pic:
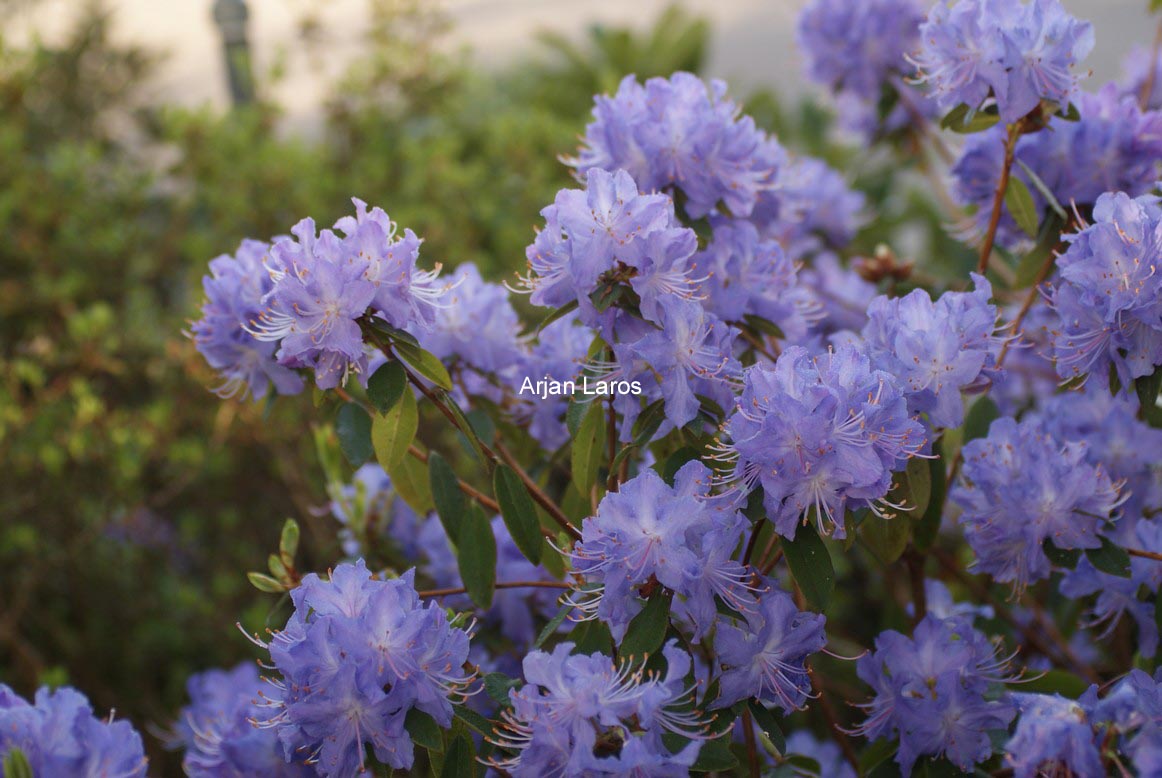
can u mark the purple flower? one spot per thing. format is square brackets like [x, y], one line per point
[843, 294]
[583, 715]
[825, 753]
[856, 50]
[60, 736]
[811, 208]
[1020, 53]
[745, 274]
[1021, 486]
[820, 434]
[936, 350]
[1052, 732]
[218, 731]
[933, 692]
[355, 656]
[766, 657]
[235, 290]
[677, 133]
[675, 536]
[558, 354]
[1109, 295]
[368, 507]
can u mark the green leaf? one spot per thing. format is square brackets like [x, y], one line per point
[1071, 113]
[715, 756]
[497, 686]
[519, 512]
[1021, 206]
[394, 431]
[460, 760]
[1031, 265]
[553, 625]
[476, 552]
[647, 630]
[277, 568]
[409, 478]
[1053, 682]
[957, 120]
[474, 720]
[288, 542]
[928, 527]
[980, 417]
[592, 637]
[675, 461]
[1109, 558]
[451, 505]
[1147, 389]
[425, 363]
[16, 764]
[765, 326]
[386, 386]
[587, 446]
[574, 413]
[559, 313]
[810, 564]
[886, 538]
[264, 583]
[876, 754]
[1061, 557]
[767, 723]
[424, 730]
[1045, 191]
[353, 426]
[918, 475]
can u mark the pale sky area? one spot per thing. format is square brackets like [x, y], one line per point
[752, 44]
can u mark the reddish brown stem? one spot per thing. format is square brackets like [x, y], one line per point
[1144, 554]
[986, 248]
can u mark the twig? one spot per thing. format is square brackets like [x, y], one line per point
[502, 585]
[483, 499]
[986, 248]
[828, 712]
[1144, 554]
[752, 752]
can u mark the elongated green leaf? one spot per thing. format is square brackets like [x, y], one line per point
[768, 724]
[553, 625]
[1109, 558]
[810, 564]
[587, 447]
[460, 760]
[715, 756]
[264, 583]
[1044, 190]
[559, 313]
[451, 505]
[1061, 557]
[647, 630]
[288, 542]
[876, 754]
[1147, 388]
[980, 417]
[425, 363]
[1053, 682]
[476, 552]
[474, 720]
[498, 685]
[928, 527]
[765, 326]
[1034, 262]
[424, 730]
[394, 431]
[409, 478]
[519, 512]
[1021, 207]
[353, 426]
[16, 764]
[386, 386]
[957, 120]
[919, 475]
[885, 538]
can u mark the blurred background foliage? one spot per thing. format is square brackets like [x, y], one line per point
[133, 499]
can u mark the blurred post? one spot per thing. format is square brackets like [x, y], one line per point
[231, 17]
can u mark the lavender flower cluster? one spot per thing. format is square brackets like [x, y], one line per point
[644, 583]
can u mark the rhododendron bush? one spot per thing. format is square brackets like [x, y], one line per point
[735, 500]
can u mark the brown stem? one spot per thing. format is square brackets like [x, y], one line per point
[757, 344]
[1144, 554]
[986, 248]
[551, 508]
[1042, 274]
[769, 566]
[502, 585]
[752, 752]
[750, 544]
[1062, 650]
